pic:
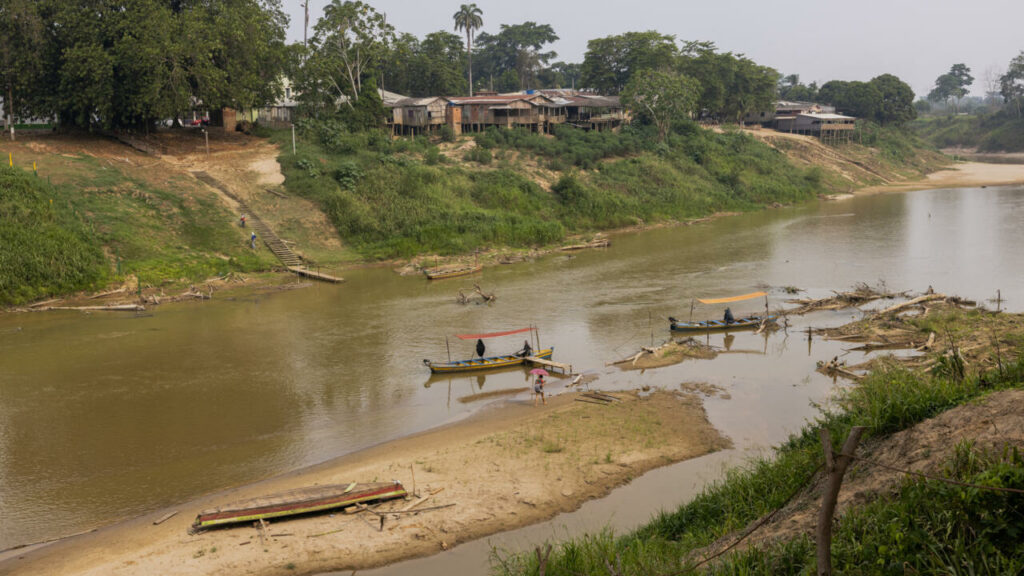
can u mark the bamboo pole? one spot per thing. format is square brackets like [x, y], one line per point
[448, 348]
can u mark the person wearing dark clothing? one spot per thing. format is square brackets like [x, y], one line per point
[480, 348]
[527, 350]
[728, 316]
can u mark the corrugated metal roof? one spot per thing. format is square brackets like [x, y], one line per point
[415, 101]
[827, 116]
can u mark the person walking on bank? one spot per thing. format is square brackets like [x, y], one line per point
[252, 240]
[538, 390]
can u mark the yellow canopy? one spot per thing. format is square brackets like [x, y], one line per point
[733, 299]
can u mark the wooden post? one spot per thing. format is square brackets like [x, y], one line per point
[448, 348]
[835, 468]
[293, 138]
[691, 309]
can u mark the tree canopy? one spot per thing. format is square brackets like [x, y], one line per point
[129, 64]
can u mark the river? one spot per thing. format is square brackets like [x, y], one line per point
[104, 416]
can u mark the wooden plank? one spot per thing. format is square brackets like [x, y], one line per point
[164, 518]
[566, 368]
[315, 275]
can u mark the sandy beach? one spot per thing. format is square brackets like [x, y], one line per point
[508, 466]
[960, 175]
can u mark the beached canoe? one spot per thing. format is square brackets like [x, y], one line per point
[294, 502]
[713, 325]
[440, 273]
[490, 363]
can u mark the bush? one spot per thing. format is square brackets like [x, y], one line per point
[45, 248]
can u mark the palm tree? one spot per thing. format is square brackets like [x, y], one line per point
[468, 19]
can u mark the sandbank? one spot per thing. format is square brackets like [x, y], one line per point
[508, 466]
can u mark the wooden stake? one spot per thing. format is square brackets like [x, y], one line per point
[413, 472]
[448, 348]
[835, 468]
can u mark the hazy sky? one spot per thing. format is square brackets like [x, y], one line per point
[916, 40]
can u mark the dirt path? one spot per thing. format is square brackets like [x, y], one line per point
[507, 467]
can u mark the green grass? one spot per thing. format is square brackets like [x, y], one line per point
[45, 246]
[401, 198]
[944, 529]
[98, 223]
[997, 132]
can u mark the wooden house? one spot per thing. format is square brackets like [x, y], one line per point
[593, 112]
[418, 115]
[826, 126]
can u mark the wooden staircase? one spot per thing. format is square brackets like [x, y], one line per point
[263, 232]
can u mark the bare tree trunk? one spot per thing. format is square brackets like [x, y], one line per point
[9, 104]
[835, 469]
[469, 52]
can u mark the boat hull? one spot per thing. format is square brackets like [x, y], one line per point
[719, 325]
[295, 502]
[491, 363]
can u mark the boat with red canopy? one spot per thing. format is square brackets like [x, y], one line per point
[482, 362]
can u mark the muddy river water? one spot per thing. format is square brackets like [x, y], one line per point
[107, 415]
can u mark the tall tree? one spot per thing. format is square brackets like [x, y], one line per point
[952, 85]
[1011, 84]
[22, 31]
[895, 100]
[661, 97]
[517, 47]
[468, 18]
[611, 61]
[349, 44]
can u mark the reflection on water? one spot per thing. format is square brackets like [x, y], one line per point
[104, 416]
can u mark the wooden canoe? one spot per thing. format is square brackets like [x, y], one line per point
[713, 325]
[441, 273]
[295, 502]
[490, 363]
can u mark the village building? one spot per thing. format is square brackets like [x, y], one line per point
[537, 111]
[829, 127]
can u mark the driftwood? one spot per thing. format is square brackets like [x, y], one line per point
[111, 308]
[927, 345]
[912, 303]
[602, 243]
[861, 294]
[487, 297]
[107, 293]
[834, 367]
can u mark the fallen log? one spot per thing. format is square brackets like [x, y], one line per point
[111, 308]
[107, 293]
[913, 302]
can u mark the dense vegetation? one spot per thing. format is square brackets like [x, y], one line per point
[926, 527]
[45, 247]
[401, 198]
[96, 224]
[130, 64]
[988, 132]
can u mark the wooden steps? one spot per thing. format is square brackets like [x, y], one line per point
[280, 249]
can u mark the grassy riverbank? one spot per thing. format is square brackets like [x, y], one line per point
[925, 526]
[351, 197]
[97, 213]
[514, 188]
[46, 247]
[997, 132]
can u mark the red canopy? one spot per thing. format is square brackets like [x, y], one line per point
[491, 334]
